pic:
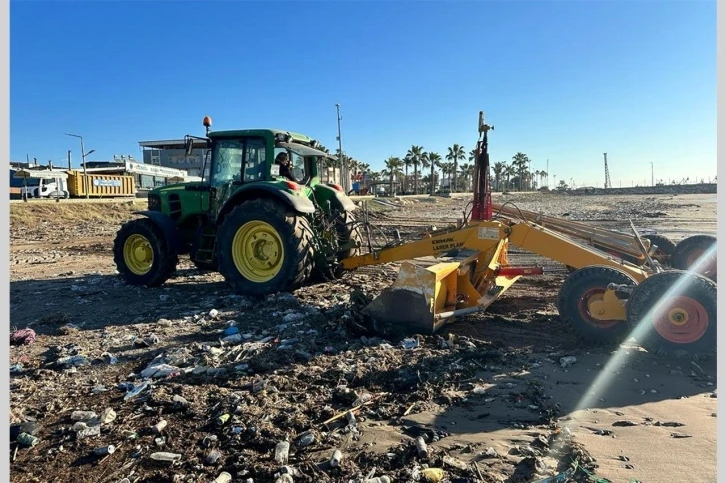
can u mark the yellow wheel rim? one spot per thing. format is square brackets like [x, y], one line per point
[138, 255]
[257, 251]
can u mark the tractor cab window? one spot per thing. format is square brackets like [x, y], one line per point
[227, 162]
[298, 166]
[255, 160]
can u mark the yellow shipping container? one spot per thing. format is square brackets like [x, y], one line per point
[100, 185]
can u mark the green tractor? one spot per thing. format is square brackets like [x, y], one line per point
[263, 232]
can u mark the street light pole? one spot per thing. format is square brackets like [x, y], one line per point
[340, 148]
[83, 158]
[652, 178]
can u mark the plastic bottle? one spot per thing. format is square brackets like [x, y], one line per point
[83, 415]
[104, 450]
[88, 432]
[212, 457]
[421, 448]
[164, 456]
[335, 459]
[281, 452]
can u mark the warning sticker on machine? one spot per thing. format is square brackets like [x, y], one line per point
[488, 233]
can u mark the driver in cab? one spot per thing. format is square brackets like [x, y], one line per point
[284, 161]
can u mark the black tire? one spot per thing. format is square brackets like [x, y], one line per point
[572, 298]
[688, 250]
[163, 263]
[296, 237]
[347, 230]
[665, 247]
[653, 308]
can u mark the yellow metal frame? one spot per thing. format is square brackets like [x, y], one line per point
[472, 282]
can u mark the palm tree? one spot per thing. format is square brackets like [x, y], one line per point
[425, 163]
[407, 162]
[456, 154]
[415, 154]
[435, 161]
[509, 171]
[466, 171]
[393, 166]
[499, 169]
[520, 161]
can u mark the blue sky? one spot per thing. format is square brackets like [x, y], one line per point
[560, 80]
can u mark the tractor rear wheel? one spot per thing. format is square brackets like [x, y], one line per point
[580, 289]
[673, 313]
[696, 253]
[264, 247]
[142, 255]
[665, 247]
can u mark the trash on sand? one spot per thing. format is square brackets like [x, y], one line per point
[22, 336]
[281, 452]
[421, 448]
[104, 450]
[136, 390]
[335, 459]
[409, 343]
[27, 439]
[567, 361]
[432, 475]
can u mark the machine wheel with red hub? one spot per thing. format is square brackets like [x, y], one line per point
[579, 295]
[673, 313]
[691, 251]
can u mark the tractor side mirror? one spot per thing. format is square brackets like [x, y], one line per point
[188, 146]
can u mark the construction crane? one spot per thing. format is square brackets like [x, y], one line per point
[607, 172]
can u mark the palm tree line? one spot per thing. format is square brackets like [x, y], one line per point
[459, 176]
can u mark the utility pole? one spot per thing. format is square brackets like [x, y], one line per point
[83, 157]
[69, 160]
[652, 178]
[340, 150]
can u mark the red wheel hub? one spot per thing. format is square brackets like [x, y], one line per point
[681, 320]
[593, 294]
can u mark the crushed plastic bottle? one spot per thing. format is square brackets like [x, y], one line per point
[136, 390]
[212, 457]
[281, 452]
[83, 415]
[567, 361]
[223, 477]
[88, 432]
[164, 456]
[77, 360]
[107, 416]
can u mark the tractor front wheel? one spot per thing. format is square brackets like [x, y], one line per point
[142, 255]
[673, 313]
[581, 297]
[696, 254]
[264, 247]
